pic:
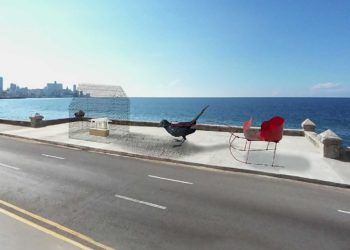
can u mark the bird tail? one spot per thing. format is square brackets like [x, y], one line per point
[201, 113]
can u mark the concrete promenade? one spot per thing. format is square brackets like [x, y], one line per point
[296, 155]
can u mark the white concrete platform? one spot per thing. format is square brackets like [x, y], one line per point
[296, 156]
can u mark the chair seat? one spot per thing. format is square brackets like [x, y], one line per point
[251, 135]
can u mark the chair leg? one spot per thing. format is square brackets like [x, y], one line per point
[274, 154]
[246, 161]
[230, 139]
[268, 144]
[245, 146]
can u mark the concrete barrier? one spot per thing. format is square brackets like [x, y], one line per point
[329, 143]
[345, 154]
[57, 121]
[308, 125]
[36, 120]
[332, 144]
[16, 123]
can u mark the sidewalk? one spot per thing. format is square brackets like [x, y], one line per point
[16, 235]
[297, 157]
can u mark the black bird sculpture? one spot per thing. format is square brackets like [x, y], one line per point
[181, 129]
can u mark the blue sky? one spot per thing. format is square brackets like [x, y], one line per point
[179, 47]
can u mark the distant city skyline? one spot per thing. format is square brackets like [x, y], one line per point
[1, 84]
[224, 48]
[7, 84]
[52, 89]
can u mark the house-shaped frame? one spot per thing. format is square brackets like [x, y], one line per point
[98, 101]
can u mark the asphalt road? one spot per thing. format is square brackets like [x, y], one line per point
[126, 203]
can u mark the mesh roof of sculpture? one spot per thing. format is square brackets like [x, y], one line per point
[95, 90]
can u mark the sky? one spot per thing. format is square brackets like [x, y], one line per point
[171, 48]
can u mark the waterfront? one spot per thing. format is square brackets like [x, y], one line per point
[333, 113]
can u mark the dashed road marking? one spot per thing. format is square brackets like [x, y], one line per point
[167, 179]
[52, 156]
[139, 201]
[343, 211]
[8, 166]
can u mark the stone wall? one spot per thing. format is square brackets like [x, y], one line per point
[329, 143]
[18, 123]
[205, 127]
[56, 121]
[345, 154]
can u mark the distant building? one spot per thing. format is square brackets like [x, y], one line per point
[67, 92]
[35, 93]
[12, 91]
[23, 92]
[53, 89]
[75, 91]
[15, 91]
[13, 87]
[1, 85]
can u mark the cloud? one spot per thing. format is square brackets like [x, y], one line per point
[171, 85]
[326, 86]
[275, 93]
[174, 83]
[330, 89]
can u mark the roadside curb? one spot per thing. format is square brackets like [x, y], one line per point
[159, 159]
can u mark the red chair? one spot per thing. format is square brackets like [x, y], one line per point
[270, 131]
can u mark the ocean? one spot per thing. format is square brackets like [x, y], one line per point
[333, 113]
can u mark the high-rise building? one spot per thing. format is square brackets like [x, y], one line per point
[53, 89]
[1, 85]
[13, 87]
[12, 90]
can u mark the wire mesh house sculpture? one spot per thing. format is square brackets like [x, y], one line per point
[98, 102]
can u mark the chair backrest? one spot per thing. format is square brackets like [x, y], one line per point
[247, 125]
[272, 130]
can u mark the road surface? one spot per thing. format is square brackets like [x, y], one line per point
[128, 203]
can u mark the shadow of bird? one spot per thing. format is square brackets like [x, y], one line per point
[181, 129]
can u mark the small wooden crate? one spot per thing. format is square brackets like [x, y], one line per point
[99, 132]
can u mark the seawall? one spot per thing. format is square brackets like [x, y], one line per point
[205, 127]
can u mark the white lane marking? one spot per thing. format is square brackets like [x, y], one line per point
[343, 211]
[162, 178]
[8, 166]
[52, 156]
[139, 201]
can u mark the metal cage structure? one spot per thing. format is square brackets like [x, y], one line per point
[98, 101]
